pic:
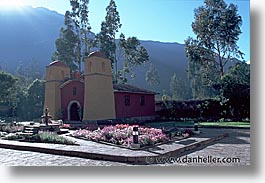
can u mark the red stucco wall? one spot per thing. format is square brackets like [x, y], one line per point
[134, 109]
[67, 95]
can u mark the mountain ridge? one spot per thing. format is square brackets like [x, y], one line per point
[31, 36]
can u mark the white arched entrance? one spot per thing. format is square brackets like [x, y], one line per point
[72, 110]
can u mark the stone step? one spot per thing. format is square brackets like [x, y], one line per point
[28, 131]
[28, 128]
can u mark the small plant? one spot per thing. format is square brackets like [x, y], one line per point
[45, 137]
[11, 128]
[12, 136]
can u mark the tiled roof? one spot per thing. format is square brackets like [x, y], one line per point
[58, 63]
[131, 89]
[70, 81]
[97, 54]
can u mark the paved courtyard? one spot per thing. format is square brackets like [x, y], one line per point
[237, 145]
[26, 158]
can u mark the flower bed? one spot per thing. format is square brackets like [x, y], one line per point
[10, 128]
[122, 135]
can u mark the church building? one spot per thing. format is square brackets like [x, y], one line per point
[92, 95]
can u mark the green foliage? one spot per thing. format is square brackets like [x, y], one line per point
[65, 46]
[31, 103]
[75, 38]
[151, 76]
[210, 109]
[165, 96]
[7, 87]
[217, 29]
[134, 55]
[130, 48]
[47, 137]
[26, 74]
[10, 128]
[179, 87]
[201, 72]
[105, 39]
[44, 137]
[14, 136]
[235, 88]
[22, 93]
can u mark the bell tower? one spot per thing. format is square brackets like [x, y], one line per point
[99, 97]
[56, 73]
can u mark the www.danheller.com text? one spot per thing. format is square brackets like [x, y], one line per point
[196, 159]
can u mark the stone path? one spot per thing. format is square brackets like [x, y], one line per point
[10, 157]
[236, 145]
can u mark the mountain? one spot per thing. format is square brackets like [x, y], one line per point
[168, 58]
[30, 35]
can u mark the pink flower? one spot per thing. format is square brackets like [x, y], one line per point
[121, 134]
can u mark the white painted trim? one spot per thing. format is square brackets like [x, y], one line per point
[69, 106]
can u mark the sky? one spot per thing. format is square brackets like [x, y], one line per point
[157, 20]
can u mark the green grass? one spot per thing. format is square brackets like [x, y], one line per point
[169, 124]
[190, 124]
[228, 124]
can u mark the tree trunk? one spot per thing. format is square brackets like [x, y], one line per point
[116, 64]
[220, 63]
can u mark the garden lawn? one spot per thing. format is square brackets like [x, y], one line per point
[170, 124]
[191, 124]
[226, 124]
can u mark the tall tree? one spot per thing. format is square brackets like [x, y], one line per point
[179, 87]
[106, 39]
[66, 43]
[36, 93]
[151, 76]
[30, 105]
[234, 87]
[82, 28]
[134, 55]
[75, 39]
[26, 74]
[217, 29]
[202, 75]
[8, 87]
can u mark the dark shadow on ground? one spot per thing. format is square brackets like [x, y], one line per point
[235, 136]
[186, 142]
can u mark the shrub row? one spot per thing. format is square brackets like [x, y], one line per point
[206, 110]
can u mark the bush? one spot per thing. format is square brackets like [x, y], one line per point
[209, 109]
[45, 137]
[11, 128]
